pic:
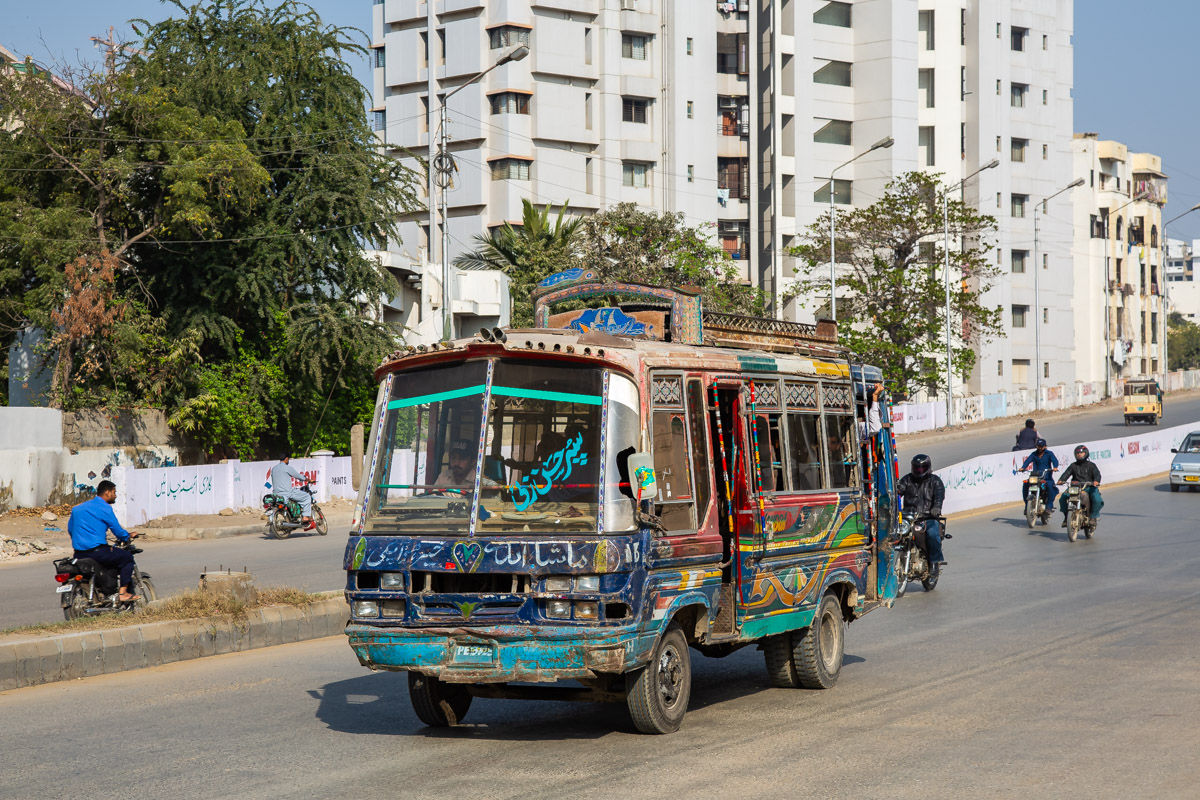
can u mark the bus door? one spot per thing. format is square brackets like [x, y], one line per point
[726, 434]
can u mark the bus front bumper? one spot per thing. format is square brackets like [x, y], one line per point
[500, 654]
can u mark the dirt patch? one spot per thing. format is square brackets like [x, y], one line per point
[188, 605]
[25, 536]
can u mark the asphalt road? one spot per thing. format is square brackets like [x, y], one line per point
[304, 560]
[1038, 668]
[1103, 422]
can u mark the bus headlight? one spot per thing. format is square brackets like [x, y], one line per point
[392, 609]
[587, 583]
[391, 580]
[559, 584]
[586, 610]
[558, 609]
[364, 608]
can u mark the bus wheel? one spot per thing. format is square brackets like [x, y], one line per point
[781, 670]
[658, 693]
[819, 647]
[438, 704]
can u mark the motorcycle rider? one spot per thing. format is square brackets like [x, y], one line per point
[1027, 438]
[1041, 462]
[89, 525]
[282, 475]
[1086, 471]
[922, 493]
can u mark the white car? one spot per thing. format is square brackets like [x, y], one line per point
[1185, 466]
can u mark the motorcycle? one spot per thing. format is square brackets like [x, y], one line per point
[1079, 506]
[911, 556]
[283, 515]
[1035, 500]
[87, 588]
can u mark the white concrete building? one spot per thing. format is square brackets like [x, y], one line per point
[735, 113]
[1182, 269]
[1117, 255]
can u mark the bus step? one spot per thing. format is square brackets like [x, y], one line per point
[725, 612]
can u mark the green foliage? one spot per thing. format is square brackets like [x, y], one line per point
[526, 253]
[891, 304]
[622, 243]
[1183, 342]
[226, 161]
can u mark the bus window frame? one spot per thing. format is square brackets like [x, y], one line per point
[681, 375]
[852, 446]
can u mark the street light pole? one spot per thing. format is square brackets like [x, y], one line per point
[444, 168]
[881, 144]
[1107, 292]
[1166, 330]
[995, 162]
[1037, 295]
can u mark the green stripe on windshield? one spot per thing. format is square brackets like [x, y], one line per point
[436, 396]
[537, 394]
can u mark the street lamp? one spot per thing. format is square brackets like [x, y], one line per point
[1037, 295]
[1166, 248]
[880, 145]
[995, 162]
[1108, 292]
[443, 166]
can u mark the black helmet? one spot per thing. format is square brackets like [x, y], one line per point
[1082, 453]
[1040, 443]
[921, 465]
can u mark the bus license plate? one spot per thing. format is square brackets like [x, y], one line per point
[473, 654]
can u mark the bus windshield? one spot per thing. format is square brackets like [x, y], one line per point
[529, 462]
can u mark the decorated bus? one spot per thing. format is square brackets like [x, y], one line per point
[585, 502]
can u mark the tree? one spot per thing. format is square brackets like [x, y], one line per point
[1183, 342]
[891, 304]
[526, 253]
[625, 243]
[621, 244]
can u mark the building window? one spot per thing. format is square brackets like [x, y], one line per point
[997, 87]
[841, 193]
[997, 144]
[1045, 152]
[691, 173]
[1019, 146]
[635, 174]
[1019, 90]
[836, 14]
[925, 29]
[691, 110]
[378, 120]
[962, 25]
[509, 103]
[587, 175]
[1045, 97]
[997, 30]
[1018, 204]
[735, 238]
[925, 87]
[508, 36]
[1019, 313]
[633, 46]
[833, 73]
[1045, 42]
[424, 49]
[1000, 368]
[1046, 318]
[633, 109]
[510, 169]
[733, 178]
[1019, 258]
[1019, 35]
[1045, 261]
[689, 45]
[1020, 371]
[1045, 369]
[925, 149]
[380, 57]
[587, 110]
[441, 38]
[834, 131]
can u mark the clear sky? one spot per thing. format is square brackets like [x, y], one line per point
[1133, 68]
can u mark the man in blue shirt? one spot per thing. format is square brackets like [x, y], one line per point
[282, 475]
[1041, 462]
[89, 525]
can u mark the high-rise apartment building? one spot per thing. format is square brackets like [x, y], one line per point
[1118, 253]
[736, 113]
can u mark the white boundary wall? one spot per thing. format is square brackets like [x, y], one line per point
[993, 479]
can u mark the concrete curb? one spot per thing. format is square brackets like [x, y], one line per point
[34, 660]
[177, 534]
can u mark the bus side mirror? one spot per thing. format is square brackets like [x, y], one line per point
[641, 477]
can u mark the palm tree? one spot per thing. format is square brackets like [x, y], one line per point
[526, 253]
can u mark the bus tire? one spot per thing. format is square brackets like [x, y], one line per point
[781, 670]
[438, 704]
[820, 647]
[657, 694]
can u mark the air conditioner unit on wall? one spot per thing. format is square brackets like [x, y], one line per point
[629, 5]
[743, 5]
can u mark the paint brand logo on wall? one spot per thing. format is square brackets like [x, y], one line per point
[1134, 448]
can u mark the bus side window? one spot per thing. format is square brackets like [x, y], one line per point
[839, 442]
[770, 453]
[804, 439]
[674, 502]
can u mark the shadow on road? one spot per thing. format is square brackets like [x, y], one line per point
[378, 704]
[1166, 487]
